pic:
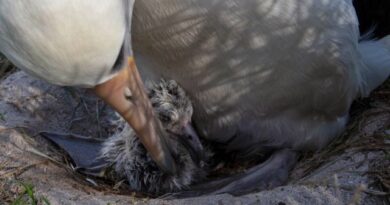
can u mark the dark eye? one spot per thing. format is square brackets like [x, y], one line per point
[174, 92]
[165, 118]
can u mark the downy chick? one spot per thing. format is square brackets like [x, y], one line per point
[129, 159]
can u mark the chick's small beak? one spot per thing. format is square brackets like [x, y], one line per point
[191, 141]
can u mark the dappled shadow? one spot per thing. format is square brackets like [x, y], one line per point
[262, 69]
[61, 186]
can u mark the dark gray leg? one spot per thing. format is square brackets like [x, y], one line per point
[271, 173]
[85, 152]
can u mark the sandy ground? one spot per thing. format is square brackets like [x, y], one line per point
[353, 170]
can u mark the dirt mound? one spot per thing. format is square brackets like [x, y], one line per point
[354, 169]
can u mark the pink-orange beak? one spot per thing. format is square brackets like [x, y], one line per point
[136, 109]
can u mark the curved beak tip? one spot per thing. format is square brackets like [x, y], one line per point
[192, 142]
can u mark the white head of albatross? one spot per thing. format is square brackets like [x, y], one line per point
[84, 43]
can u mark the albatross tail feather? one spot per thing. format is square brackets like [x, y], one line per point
[375, 67]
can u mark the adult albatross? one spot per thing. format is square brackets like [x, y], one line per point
[84, 43]
[266, 77]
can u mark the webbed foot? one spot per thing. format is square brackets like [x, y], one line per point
[85, 152]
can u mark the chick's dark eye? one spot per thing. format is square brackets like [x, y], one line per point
[165, 118]
[173, 92]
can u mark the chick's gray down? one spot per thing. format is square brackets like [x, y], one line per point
[129, 159]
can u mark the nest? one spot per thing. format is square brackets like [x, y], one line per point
[367, 132]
